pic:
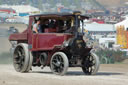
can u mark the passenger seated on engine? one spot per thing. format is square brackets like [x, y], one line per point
[45, 24]
[52, 24]
[60, 26]
[64, 26]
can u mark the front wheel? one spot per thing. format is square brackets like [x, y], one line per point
[90, 64]
[59, 63]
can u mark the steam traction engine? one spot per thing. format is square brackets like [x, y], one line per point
[59, 46]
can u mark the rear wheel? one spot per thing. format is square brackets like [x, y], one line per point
[22, 58]
[90, 64]
[59, 63]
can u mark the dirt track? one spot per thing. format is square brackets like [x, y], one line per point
[107, 75]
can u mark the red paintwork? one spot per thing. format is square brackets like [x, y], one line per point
[18, 37]
[50, 30]
[48, 41]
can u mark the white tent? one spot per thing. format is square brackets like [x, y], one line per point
[21, 8]
[123, 23]
[99, 27]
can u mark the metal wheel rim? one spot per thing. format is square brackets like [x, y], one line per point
[19, 58]
[57, 64]
[89, 65]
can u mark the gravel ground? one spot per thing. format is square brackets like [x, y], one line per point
[115, 74]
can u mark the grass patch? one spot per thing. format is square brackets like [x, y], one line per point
[110, 56]
[118, 63]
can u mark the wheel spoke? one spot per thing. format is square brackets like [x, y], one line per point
[60, 59]
[16, 62]
[62, 63]
[20, 66]
[54, 64]
[62, 67]
[90, 71]
[19, 53]
[57, 58]
[58, 70]
[16, 57]
[87, 70]
[54, 60]
[22, 58]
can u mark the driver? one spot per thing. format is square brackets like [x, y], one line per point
[37, 26]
